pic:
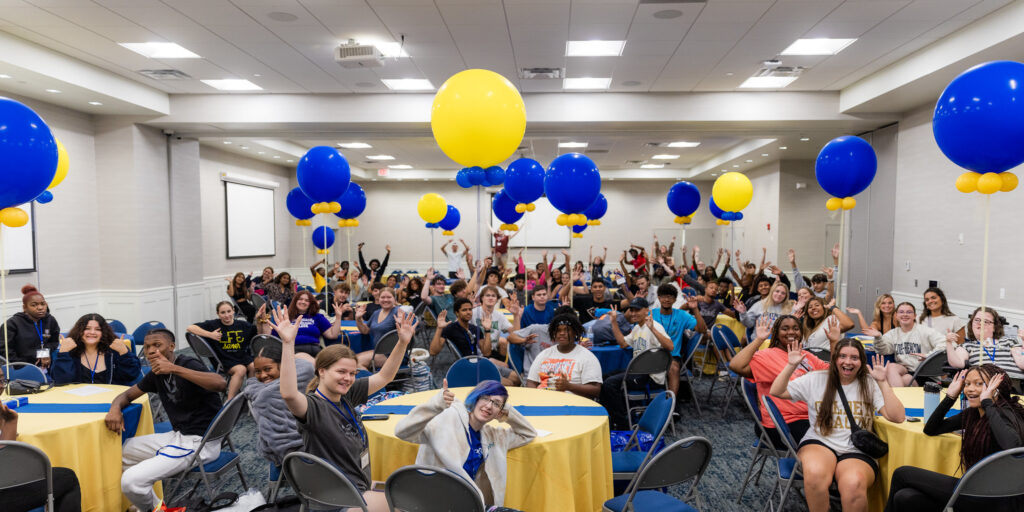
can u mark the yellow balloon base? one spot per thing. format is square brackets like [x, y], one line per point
[595, 222]
[721, 222]
[988, 183]
[683, 220]
[571, 219]
[348, 223]
[577, 235]
[845, 203]
[13, 217]
[303, 222]
[323, 251]
[447, 233]
[508, 227]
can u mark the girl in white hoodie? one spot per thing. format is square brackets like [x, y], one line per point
[458, 436]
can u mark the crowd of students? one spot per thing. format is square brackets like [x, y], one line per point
[301, 380]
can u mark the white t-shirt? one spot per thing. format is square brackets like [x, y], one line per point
[580, 365]
[818, 338]
[641, 338]
[498, 323]
[809, 388]
[455, 258]
[943, 324]
[532, 350]
[502, 294]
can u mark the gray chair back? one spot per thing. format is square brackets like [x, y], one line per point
[995, 476]
[24, 464]
[224, 421]
[931, 367]
[429, 489]
[202, 349]
[683, 460]
[260, 341]
[387, 342]
[652, 360]
[320, 484]
[23, 370]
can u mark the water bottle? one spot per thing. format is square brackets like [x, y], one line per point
[932, 392]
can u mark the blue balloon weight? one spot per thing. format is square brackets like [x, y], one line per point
[353, 202]
[476, 175]
[572, 183]
[45, 197]
[505, 208]
[726, 215]
[738, 216]
[29, 154]
[298, 204]
[495, 175]
[462, 178]
[579, 229]
[683, 199]
[716, 212]
[524, 180]
[598, 209]
[318, 237]
[846, 166]
[451, 219]
[979, 118]
[323, 174]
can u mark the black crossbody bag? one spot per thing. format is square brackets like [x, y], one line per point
[864, 440]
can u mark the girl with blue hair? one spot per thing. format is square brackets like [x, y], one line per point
[460, 437]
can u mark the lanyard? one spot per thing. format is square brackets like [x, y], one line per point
[92, 372]
[991, 355]
[351, 418]
[39, 330]
[473, 339]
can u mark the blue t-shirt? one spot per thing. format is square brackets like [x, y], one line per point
[476, 453]
[310, 329]
[532, 316]
[675, 323]
[381, 327]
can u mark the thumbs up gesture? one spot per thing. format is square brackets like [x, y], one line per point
[67, 344]
[448, 396]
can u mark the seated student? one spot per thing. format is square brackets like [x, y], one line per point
[314, 323]
[459, 436]
[601, 329]
[986, 344]
[710, 305]
[566, 366]
[643, 289]
[339, 302]
[910, 342]
[645, 334]
[993, 421]
[281, 289]
[239, 291]
[190, 394]
[327, 420]
[374, 299]
[827, 452]
[381, 322]
[587, 305]
[676, 322]
[229, 338]
[413, 289]
[436, 298]
[260, 281]
[33, 333]
[92, 354]
[519, 289]
[541, 311]
[816, 316]
[278, 431]
[67, 495]
[936, 314]
[492, 321]
[818, 282]
[535, 338]
[775, 304]
[762, 366]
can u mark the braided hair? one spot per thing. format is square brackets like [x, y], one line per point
[978, 441]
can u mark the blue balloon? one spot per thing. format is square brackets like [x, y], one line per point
[298, 204]
[738, 216]
[572, 183]
[505, 208]
[579, 229]
[318, 237]
[598, 209]
[846, 166]
[716, 212]
[451, 219]
[683, 199]
[29, 154]
[323, 174]
[476, 175]
[462, 178]
[353, 202]
[45, 197]
[979, 118]
[495, 175]
[524, 180]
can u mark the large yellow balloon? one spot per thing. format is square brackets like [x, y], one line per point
[732, 191]
[62, 165]
[478, 118]
[13, 217]
[432, 207]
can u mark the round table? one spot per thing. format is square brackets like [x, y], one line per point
[909, 446]
[569, 468]
[612, 357]
[54, 423]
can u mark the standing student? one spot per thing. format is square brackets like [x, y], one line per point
[92, 354]
[910, 342]
[936, 314]
[229, 339]
[31, 334]
[455, 256]
[67, 495]
[376, 268]
[191, 396]
[330, 426]
[501, 241]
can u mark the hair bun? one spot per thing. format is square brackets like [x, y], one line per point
[28, 289]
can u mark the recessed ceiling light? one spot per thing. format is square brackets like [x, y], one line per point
[277, 156]
[160, 50]
[750, 161]
[232, 84]
[572, 144]
[424, 179]
[4, 76]
[611, 179]
[245, 147]
[683, 144]
[408, 84]
[227, 142]
[665, 157]
[354, 145]
[668, 14]
[400, 166]
[767, 82]
[260, 152]
[95, 103]
[282, 16]
[586, 83]
[380, 157]
[257, 75]
[652, 166]
[53, 91]
[735, 165]
[594, 48]
[783, 148]
[817, 46]
[714, 174]
[804, 139]
[730, 74]
[764, 154]
[290, 161]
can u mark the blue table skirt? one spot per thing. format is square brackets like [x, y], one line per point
[612, 357]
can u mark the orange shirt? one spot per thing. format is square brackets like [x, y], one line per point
[768, 364]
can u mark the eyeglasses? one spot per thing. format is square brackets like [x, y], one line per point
[979, 321]
[497, 404]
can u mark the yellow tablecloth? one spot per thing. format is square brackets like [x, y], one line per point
[81, 441]
[568, 469]
[908, 446]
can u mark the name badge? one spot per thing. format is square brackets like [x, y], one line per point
[42, 354]
[364, 460]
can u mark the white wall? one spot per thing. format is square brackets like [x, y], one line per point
[803, 218]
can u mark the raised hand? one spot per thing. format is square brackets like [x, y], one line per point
[360, 310]
[286, 329]
[449, 397]
[613, 315]
[513, 306]
[405, 324]
[828, 271]
[763, 328]
[442, 320]
[160, 365]
[215, 334]
[737, 255]
[387, 247]
[878, 367]
[565, 253]
[835, 251]
[852, 310]
[67, 344]
[991, 391]
[791, 254]
[460, 274]
[739, 306]
[871, 331]
[775, 270]
[951, 337]
[795, 355]
[121, 346]
[649, 321]
[531, 339]
[691, 304]
[360, 246]
[957, 384]
[832, 329]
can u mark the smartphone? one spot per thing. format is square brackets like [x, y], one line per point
[913, 419]
[374, 417]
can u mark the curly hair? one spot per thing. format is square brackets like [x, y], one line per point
[311, 310]
[567, 319]
[106, 333]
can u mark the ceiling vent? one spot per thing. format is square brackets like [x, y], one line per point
[655, 144]
[164, 74]
[596, 151]
[541, 73]
[780, 71]
[354, 56]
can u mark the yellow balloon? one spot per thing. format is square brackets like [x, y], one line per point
[521, 208]
[447, 233]
[335, 207]
[303, 222]
[577, 235]
[834, 203]
[478, 118]
[849, 203]
[432, 207]
[967, 182]
[531, 207]
[732, 191]
[63, 163]
[13, 217]
[989, 183]
[1009, 182]
[562, 220]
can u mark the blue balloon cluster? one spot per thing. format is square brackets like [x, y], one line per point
[572, 183]
[598, 209]
[432, 225]
[323, 174]
[718, 213]
[846, 166]
[472, 176]
[505, 208]
[979, 118]
[451, 219]
[29, 152]
[319, 235]
[353, 202]
[683, 199]
[524, 180]
[298, 204]
[579, 229]
[45, 197]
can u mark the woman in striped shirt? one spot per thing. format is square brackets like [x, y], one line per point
[986, 344]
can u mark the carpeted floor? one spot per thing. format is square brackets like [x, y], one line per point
[730, 434]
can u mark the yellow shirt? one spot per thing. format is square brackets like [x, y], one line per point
[319, 282]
